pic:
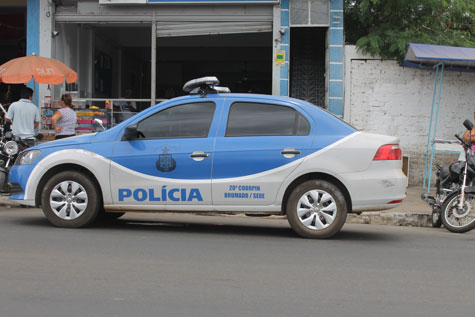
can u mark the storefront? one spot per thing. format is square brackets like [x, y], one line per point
[12, 41]
[288, 47]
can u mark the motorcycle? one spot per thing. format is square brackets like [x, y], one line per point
[9, 149]
[449, 180]
[458, 209]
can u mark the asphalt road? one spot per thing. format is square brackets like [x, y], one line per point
[182, 265]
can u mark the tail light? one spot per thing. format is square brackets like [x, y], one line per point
[388, 152]
[395, 201]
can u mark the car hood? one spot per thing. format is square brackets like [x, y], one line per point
[75, 140]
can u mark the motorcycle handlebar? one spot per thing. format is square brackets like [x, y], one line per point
[466, 144]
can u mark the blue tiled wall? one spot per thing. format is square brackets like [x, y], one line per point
[336, 41]
[336, 69]
[284, 45]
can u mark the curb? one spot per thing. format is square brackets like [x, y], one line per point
[6, 202]
[394, 219]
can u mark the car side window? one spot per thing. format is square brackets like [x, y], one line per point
[261, 119]
[192, 120]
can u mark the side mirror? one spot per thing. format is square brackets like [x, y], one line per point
[468, 124]
[131, 132]
[99, 122]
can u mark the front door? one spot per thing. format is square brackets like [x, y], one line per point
[170, 161]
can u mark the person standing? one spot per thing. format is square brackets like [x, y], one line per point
[25, 116]
[125, 109]
[469, 136]
[64, 119]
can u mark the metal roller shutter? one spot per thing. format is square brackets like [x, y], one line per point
[168, 29]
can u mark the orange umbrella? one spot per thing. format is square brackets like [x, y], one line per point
[43, 70]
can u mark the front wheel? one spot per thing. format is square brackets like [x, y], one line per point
[456, 219]
[436, 218]
[316, 209]
[70, 200]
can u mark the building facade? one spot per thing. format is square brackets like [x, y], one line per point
[287, 47]
[383, 97]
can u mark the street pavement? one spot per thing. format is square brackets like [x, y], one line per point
[412, 212]
[189, 265]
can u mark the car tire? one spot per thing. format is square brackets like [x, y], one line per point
[70, 200]
[317, 209]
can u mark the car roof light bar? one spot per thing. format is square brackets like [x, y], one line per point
[204, 86]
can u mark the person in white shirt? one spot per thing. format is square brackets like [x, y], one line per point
[24, 115]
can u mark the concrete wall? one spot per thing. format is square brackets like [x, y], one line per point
[383, 97]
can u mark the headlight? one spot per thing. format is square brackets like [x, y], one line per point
[27, 157]
[11, 148]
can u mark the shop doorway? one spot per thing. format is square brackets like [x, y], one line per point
[308, 64]
[12, 44]
[242, 62]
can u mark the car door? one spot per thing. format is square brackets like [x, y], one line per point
[257, 147]
[170, 163]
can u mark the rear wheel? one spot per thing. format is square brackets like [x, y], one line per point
[456, 219]
[70, 199]
[317, 209]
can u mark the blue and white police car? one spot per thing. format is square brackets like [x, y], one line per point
[214, 151]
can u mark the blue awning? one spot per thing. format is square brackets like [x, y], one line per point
[454, 58]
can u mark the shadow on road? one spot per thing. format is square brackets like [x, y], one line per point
[361, 233]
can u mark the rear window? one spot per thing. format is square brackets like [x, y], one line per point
[262, 119]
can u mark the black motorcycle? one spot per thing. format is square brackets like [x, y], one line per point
[9, 149]
[449, 179]
[458, 210]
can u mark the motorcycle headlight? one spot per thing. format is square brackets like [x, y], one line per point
[11, 148]
[27, 157]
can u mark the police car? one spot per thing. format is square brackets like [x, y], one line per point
[214, 151]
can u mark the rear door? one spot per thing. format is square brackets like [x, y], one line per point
[171, 163]
[258, 145]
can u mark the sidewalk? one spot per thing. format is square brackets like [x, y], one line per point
[413, 212]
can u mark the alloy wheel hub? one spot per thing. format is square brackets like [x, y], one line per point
[68, 200]
[316, 209]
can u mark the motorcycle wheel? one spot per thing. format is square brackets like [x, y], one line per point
[436, 218]
[455, 219]
[3, 180]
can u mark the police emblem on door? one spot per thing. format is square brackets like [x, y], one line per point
[165, 162]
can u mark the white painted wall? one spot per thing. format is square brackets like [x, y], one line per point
[383, 97]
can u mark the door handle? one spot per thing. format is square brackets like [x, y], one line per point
[199, 154]
[289, 151]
